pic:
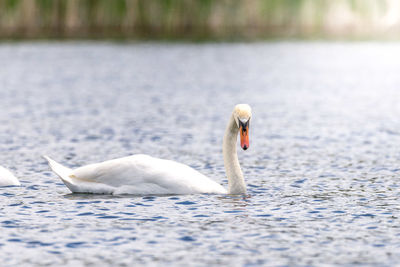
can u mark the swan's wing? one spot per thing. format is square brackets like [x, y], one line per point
[145, 173]
[115, 172]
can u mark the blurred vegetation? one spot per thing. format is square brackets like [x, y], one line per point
[193, 19]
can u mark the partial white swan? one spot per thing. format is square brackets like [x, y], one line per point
[143, 174]
[7, 178]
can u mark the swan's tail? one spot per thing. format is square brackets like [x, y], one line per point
[77, 185]
[63, 172]
[7, 178]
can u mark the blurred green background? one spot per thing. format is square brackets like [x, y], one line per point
[200, 19]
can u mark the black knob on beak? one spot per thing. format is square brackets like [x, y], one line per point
[244, 125]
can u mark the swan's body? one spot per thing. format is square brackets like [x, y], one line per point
[137, 174]
[7, 178]
[143, 174]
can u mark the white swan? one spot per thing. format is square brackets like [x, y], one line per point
[7, 178]
[142, 174]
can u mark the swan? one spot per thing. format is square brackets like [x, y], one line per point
[142, 174]
[7, 178]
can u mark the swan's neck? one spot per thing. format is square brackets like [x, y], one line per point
[236, 183]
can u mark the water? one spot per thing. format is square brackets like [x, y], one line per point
[322, 169]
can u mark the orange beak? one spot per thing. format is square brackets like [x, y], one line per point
[244, 135]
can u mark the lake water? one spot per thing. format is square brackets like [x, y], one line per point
[322, 170]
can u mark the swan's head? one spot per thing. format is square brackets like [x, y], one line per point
[242, 116]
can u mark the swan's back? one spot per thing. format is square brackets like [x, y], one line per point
[139, 174]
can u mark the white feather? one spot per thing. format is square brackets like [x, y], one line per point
[137, 174]
[7, 178]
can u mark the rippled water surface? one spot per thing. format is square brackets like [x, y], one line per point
[322, 170]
